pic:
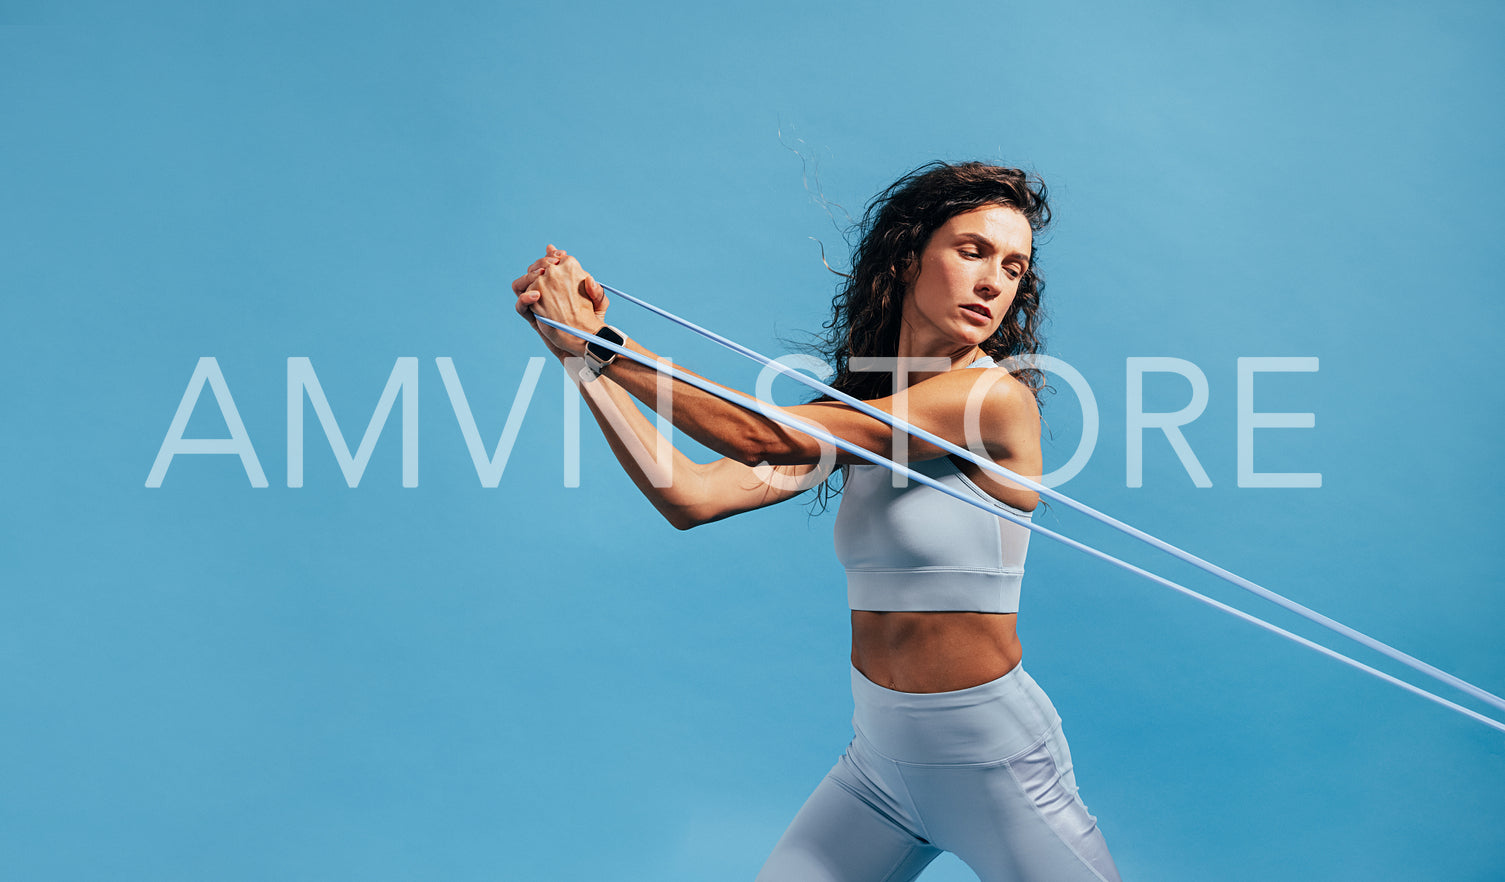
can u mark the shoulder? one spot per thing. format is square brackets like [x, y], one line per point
[992, 391]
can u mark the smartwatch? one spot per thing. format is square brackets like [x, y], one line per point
[597, 357]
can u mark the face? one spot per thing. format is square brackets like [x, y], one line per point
[966, 279]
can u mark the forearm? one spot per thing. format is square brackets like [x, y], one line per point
[743, 435]
[558, 289]
[685, 492]
[669, 480]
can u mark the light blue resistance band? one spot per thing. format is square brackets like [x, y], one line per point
[777, 415]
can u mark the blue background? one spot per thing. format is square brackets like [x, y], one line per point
[210, 681]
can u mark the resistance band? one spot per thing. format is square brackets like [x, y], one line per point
[1128, 529]
[777, 415]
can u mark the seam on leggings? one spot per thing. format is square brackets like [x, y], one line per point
[920, 821]
[992, 762]
[877, 809]
[919, 816]
[981, 764]
[899, 864]
[914, 846]
[1035, 807]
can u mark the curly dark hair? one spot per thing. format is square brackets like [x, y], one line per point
[893, 232]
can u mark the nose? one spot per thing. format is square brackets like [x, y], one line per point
[990, 282]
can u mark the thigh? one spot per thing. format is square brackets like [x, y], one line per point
[1017, 820]
[839, 837]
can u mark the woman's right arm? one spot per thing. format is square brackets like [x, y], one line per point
[944, 405]
[685, 492]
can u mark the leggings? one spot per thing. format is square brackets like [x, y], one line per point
[983, 773]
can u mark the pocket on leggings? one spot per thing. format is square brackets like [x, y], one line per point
[1044, 773]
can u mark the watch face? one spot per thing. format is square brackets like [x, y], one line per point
[600, 352]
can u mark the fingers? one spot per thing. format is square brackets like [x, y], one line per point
[525, 301]
[526, 280]
[535, 269]
[588, 287]
[596, 293]
[528, 296]
[591, 290]
[554, 257]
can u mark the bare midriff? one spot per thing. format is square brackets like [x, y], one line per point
[934, 651]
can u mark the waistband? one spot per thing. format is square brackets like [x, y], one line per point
[985, 723]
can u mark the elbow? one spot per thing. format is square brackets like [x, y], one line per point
[688, 515]
[683, 516]
[681, 520]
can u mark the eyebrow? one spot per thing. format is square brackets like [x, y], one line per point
[987, 243]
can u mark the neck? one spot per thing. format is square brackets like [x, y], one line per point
[933, 351]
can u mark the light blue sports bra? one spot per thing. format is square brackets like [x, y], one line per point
[914, 548]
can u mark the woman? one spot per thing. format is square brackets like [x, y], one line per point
[955, 748]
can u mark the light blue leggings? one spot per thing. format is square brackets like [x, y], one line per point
[983, 773]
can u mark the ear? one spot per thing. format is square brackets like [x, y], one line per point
[910, 271]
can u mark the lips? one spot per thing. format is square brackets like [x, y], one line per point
[979, 309]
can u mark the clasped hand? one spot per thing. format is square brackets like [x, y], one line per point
[556, 287]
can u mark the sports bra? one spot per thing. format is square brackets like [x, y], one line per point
[914, 548]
